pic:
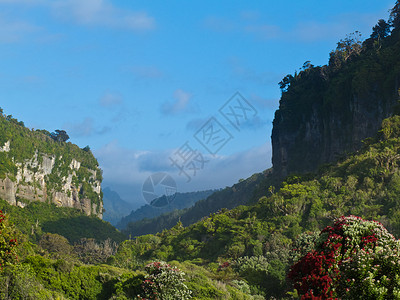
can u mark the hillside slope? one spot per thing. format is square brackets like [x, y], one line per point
[241, 193]
[115, 208]
[180, 201]
[366, 184]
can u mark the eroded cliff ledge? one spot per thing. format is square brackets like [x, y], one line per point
[33, 167]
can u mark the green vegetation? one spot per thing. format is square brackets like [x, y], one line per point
[253, 243]
[25, 142]
[8, 242]
[325, 111]
[165, 282]
[37, 218]
[180, 201]
[28, 148]
[243, 193]
[354, 259]
[272, 232]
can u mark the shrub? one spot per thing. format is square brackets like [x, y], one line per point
[55, 244]
[354, 259]
[164, 282]
[8, 242]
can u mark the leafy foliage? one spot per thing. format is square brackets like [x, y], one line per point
[245, 252]
[165, 282]
[29, 148]
[354, 259]
[8, 242]
[60, 136]
[180, 201]
[243, 193]
[326, 111]
[38, 218]
[366, 183]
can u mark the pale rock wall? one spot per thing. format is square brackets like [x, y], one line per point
[30, 185]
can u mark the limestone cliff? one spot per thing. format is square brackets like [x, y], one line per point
[327, 111]
[34, 167]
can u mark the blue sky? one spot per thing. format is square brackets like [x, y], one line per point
[135, 80]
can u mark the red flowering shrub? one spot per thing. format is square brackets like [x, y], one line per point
[223, 266]
[353, 259]
[164, 282]
[7, 242]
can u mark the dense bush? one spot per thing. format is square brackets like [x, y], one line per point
[354, 259]
[8, 242]
[164, 282]
[37, 218]
[91, 252]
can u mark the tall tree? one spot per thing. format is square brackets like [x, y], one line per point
[380, 30]
[394, 19]
[59, 135]
[347, 48]
[285, 82]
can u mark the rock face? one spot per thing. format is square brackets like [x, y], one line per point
[320, 118]
[34, 181]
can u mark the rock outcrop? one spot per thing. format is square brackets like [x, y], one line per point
[324, 137]
[32, 183]
[35, 167]
[326, 112]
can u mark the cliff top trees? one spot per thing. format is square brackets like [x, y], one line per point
[380, 30]
[394, 19]
[59, 136]
[350, 46]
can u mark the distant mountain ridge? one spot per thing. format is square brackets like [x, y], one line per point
[115, 207]
[245, 192]
[180, 201]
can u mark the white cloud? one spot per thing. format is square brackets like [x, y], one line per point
[29, 2]
[219, 24]
[313, 31]
[226, 170]
[111, 100]
[85, 128]
[247, 73]
[147, 72]
[102, 13]
[14, 31]
[127, 169]
[180, 105]
[336, 27]
[263, 31]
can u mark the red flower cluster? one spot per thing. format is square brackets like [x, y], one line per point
[316, 274]
[312, 277]
[223, 266]
[7, 245]
[2, 217]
